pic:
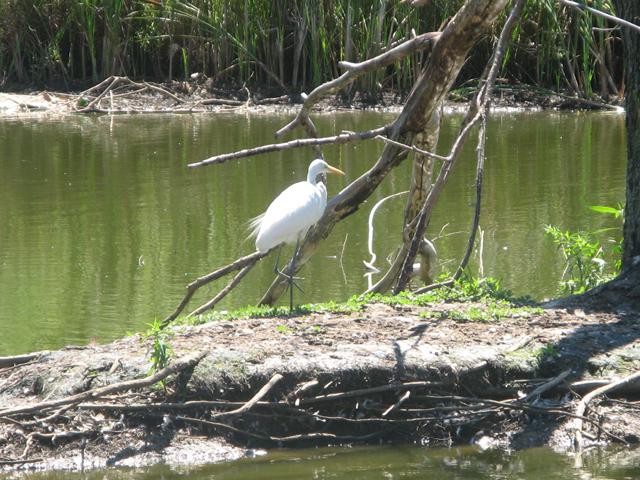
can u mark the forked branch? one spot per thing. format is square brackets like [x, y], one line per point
[476, 111]
[355, 70]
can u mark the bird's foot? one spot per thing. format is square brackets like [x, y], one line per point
[292, 280]
[287, 276]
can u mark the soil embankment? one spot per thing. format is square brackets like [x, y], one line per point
[120, 95]
[384, 374]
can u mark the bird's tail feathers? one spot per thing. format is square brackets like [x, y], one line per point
[254, 225]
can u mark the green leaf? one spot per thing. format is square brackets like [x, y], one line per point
[604, 209]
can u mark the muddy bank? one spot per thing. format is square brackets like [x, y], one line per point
[385, 374]
[128, 97]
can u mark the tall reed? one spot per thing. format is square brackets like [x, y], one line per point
[287, 45]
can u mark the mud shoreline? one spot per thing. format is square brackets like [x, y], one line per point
[339, 374]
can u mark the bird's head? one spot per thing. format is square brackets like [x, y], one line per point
[320, 167]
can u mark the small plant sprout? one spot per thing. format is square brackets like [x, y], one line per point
[160, 350]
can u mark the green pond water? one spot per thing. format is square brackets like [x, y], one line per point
[392, 463]
[102, 225]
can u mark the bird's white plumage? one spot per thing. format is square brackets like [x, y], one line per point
[294, 211]
[291, 214]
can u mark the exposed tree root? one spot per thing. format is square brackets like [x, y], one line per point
[363, 415]
[584, 403]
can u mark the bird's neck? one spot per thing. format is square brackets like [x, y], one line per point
[312, 178]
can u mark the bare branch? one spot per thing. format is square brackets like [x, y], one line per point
[584, 403]
[223, 293]
[367, 391]
[255, 399]
[413, 148]
[476, 110]
[600, 13]
[177, 366]
[344, 137]
[421, 42]
[210, 277]
[290, 438]
[476, 216]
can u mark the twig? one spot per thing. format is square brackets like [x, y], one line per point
[555, 381]
[160, 90]
[400, 401]
[600, 13]
[584, 403]
[301, 389]
[179, 365]
[290, 438]
[210, 277]
[413, 148]
[55, 415]
[345, 137]
[367, 391]
[255, 399]
[90, 107]
[220, 101]
[222, 293]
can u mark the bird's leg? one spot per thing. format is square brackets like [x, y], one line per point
[291, 272]
[290, 277]
[276, 269]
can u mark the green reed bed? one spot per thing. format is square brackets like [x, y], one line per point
[290, 45]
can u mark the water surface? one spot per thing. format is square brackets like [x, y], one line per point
[393, 463]
[102, 225]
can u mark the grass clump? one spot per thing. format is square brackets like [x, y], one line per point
[499, 303]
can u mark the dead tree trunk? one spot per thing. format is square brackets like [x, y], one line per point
[448, 55]
[414, 129]
[624, 290]
[630, 10]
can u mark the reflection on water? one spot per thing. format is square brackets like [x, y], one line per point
[102, 226]
[394, 463]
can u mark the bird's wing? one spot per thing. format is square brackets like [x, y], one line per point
[291, 213]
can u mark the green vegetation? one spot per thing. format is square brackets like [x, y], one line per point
[497, 302]
[286, 44]
[585, 256]
[160, 350]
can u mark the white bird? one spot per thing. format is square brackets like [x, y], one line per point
[289, 217]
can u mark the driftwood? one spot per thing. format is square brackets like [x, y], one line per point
[584, 403]
[179, 365]
[19, 359]
[115, 87]
[382, 411]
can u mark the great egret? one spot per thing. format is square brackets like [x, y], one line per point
[292, 213]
